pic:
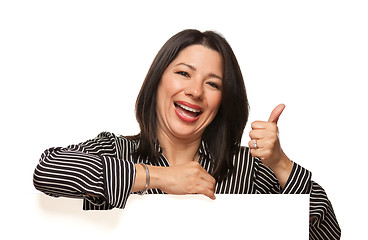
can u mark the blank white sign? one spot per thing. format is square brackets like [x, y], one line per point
[169, 217]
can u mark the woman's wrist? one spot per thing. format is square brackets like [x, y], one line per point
[283, 169]
[155, 177]
[148, 178]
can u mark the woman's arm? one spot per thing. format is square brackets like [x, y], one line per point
[69, 173]
[265, 145]
[323, 222]
[188, 178]
[88, 170]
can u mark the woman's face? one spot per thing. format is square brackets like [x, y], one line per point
[189, 93]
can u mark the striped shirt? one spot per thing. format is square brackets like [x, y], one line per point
[104, 167]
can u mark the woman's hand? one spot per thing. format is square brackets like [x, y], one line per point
[188, 178]
[268, 148]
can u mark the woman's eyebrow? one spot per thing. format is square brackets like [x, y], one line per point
[188, 65]
[215, 76]
[195, 69]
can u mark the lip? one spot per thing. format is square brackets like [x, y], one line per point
[184, 117]
[189, 105]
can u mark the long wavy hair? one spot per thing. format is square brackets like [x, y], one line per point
[223, 134]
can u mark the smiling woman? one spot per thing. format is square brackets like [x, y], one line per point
[188, 97]
[192, 110]
[207, 70]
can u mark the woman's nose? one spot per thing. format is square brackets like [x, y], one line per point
[194, 89]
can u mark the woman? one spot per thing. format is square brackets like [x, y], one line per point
[192, 110]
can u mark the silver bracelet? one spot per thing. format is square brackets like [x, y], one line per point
[147, 179]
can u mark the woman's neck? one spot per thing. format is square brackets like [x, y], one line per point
[178, 151]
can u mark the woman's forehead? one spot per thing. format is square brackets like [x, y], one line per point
[199, 57]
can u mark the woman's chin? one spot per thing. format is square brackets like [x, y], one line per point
[185, 132]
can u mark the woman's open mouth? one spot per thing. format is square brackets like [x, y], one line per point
[187, 112]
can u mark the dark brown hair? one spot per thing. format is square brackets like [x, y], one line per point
[223, 134]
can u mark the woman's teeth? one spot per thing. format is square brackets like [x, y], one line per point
[188, 108]
[187, 111]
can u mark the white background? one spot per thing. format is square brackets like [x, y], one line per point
[71, 69]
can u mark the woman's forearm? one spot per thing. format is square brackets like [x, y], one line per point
[283, 169]
[189, 178]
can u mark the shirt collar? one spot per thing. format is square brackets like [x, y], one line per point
[158, 147]
[204, 156]
[203, 149]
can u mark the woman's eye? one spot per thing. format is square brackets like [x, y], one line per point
[185, 74]
[214, 85]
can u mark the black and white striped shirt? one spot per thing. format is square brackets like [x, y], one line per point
[104, 167]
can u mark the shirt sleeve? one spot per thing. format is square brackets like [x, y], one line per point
[323, 224]
[89, 170]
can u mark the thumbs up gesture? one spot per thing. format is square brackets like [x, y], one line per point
[265, 145]
[275, 115]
